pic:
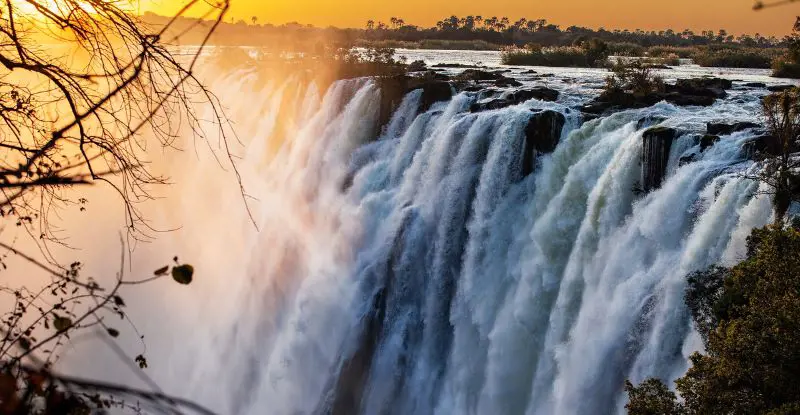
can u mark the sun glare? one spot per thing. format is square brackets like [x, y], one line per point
[56, 7]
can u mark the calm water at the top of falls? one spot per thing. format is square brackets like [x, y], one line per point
[491, 58]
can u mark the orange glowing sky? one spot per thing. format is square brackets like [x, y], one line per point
[736, 16]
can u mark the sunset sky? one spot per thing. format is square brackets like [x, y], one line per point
[736, 16]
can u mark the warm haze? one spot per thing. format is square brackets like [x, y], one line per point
[736, 16]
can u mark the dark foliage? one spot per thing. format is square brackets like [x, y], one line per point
[750, 317]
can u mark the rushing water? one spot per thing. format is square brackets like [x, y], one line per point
[419, 272]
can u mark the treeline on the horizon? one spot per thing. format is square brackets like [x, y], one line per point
[470, 32]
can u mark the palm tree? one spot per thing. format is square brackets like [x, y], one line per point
[503, 23]
[254, 19]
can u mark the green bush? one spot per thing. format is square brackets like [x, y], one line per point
[734, 58]
[592, 53]
[785, 69]
[428, 44]
[749, 316]
[626, 49]
[683, 52]
[458, 45]
[634, 77]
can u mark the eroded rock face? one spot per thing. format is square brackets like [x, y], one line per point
[478, 75]
[657, 143]
[516, 97]
[727, 129]
[708, 141]
[649, 121]
[779, 88]
[416, 66]
[706, 87]
[700, 92]
[395, 88]
[540, 93]
[507, 83]
[762, 146]
[542, 135]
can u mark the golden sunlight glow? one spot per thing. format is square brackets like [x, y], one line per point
[57, 7]
[736, 16]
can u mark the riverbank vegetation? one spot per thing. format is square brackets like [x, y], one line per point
[788, 65]
[749, 319]
[524, 41]
[501, 31]
[477, 33]
[708, 56]
[592, 53]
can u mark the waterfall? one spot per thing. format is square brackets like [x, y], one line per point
[419, 271]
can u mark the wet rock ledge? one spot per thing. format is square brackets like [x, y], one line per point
[701, 92]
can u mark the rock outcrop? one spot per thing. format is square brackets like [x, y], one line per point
[516, 97]
[707, 87]
[649, 121]
[707, 141]
[701, 92]
[761, 146]
[714, 128]
[416, 66]
[779, 88]
[480, 76]
[394, 88]
[656, 145]
[542, 135]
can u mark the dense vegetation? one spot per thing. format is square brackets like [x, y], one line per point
[586, 54]
[527, 41]
[788, 66]
[749, 317]
[456, 31]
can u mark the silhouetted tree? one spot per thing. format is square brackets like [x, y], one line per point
[75, 115]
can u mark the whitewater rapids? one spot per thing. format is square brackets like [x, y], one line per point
[419, 272]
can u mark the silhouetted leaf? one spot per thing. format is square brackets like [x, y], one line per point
[141, 361]
[183, 274]
[62, 323]
[24, 343]
[162, 271]
[112, 332]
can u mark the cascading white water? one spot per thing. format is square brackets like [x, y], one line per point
[420, 272]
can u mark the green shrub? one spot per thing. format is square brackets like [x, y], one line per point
[428, 44]
[458, 45]
[750, 319]
[634, 77]
[592, 53]
[734, 58]
[626, 49]
[683, 52]
[784, 69]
